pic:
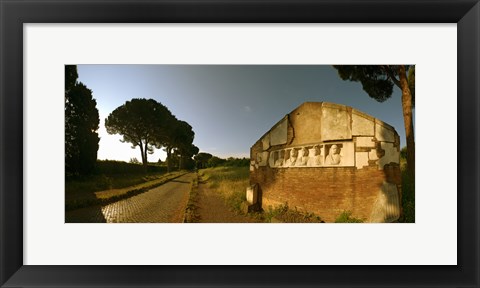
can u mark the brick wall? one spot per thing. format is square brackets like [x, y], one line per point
[326, 192]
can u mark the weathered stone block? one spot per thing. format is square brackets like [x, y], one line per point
[372, 155]
[262, 159]
[365, 142]
[252, 194]
[266, 142]
[391, 154]
[336, 123]
[278, 135]
[362, 124]
[384, 132]
[387, 205]
[361, 159]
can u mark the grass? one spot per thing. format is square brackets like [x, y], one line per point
[229, 182]
[191, 215]
[83, 193]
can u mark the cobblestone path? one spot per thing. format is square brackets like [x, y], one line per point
[164, 204]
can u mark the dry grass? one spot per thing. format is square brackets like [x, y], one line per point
[228, 182]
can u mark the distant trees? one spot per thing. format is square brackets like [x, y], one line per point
[378, 81]
[148, 124]
[201, 159]
[81, 125]
[207, 160]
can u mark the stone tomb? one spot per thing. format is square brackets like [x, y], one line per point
[327, 158]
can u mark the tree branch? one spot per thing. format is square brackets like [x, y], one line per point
[391, 75]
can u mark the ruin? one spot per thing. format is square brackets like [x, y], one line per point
[328, 158]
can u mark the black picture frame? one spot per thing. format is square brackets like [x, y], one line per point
[466, 13]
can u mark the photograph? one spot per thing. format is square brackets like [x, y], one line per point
[239, 143]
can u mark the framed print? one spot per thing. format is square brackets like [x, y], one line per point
[38, 38]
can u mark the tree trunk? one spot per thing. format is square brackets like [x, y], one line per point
[180, 162]
[169, 159]
[145, 163]
[141, 152]
[408, 120]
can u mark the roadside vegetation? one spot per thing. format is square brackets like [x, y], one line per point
[346, 217]
[408, 190]
[113, 181]
[191, 212]
[229, 182]
[283, 214]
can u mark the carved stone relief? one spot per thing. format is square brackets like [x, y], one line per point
[314, 155]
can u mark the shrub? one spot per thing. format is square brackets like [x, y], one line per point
[408, 198]
[284, 214]
[346, 217]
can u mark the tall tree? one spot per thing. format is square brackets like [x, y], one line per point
[81, 125]
[178, 142]
[378, 81]
[140, 122]
[184, 142]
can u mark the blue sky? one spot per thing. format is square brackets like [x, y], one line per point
[229, 106]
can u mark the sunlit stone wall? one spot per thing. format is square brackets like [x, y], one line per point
[328, 158]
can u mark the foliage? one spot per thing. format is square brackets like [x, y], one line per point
[373, 78]
[284, 214]
[81, 125]
[215, 162]
[134, 160]
[403, 153]
[411, 83]
[179, 144]
[191, 211]
[408, 198]
[201, 159]
[378, 82]
[237, 162]
[141, 122]
[111, 167]
[346, 217]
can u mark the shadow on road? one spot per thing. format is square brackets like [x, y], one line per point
[179, 181]
[92, 214]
